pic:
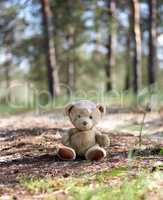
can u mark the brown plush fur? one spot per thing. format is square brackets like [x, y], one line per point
[84, 139]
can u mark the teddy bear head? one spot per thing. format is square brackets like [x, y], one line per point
[84, 114]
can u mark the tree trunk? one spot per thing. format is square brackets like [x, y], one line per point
[70, 61]
[71, 75]
[111, 56]
[53, 78]
[135, 27]
[7, 76]
[152, 58]
[128, 63]
[128, 75]
[71, 50]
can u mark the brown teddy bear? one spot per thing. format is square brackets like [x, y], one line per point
[84, 139]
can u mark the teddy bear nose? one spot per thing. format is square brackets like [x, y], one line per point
[85, 123]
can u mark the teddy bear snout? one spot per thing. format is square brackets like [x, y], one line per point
[85, 123]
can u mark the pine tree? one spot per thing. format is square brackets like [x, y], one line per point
[136, 35]
[111, 46]
[53, 78]
[152, 42]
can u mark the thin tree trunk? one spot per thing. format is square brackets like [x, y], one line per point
[70, 61]
[128, 75]
[128, 63]
[71, 69]
[152, 59]
[7, 67]
[111, 56]
[71, 75]
[7, 76]
[53, 78]
[135, 26]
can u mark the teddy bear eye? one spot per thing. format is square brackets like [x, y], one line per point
[91, 117]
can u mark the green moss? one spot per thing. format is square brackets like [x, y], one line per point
[36, 185]
[127, 190]
[101, 176]
[161, 151]
[94, 187]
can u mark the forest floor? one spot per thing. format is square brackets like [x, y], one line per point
[29, 168]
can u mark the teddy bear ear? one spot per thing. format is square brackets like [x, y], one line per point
[101, 108]
[68, 108]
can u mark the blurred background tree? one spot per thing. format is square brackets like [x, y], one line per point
[83, 45]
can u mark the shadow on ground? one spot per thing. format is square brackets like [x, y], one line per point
[32, 152]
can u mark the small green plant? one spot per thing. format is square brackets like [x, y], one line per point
[96, 186]
[36, 185]
[101, 176]
[161, 150]
[128, 189]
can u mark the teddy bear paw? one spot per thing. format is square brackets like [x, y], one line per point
[96, 154]
[66, 153]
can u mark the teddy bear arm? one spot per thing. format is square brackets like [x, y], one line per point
[66, 139]
[102, 140]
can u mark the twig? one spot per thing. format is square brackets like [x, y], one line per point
[147, 109]
[141, 129]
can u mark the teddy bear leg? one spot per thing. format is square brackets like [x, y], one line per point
[95, 153]
[66, 153]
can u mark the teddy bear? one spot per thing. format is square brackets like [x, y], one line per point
[84, 139]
